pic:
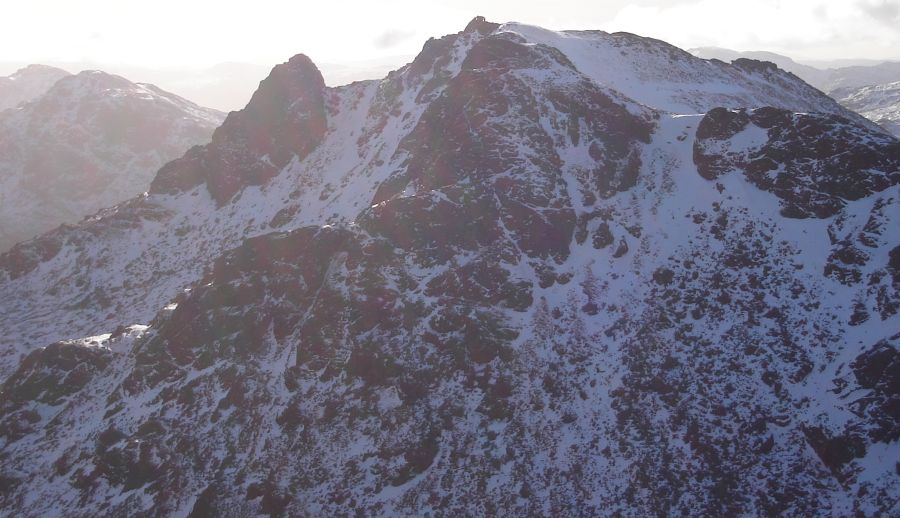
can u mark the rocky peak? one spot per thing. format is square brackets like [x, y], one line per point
[284, 118]
[100, 79]
[88, 84]
[479, 24]
[755, 65]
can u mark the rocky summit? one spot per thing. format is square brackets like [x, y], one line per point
[529, 273]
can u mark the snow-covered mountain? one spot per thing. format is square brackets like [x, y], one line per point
[28, 83]
[530, 273]
[859, 76]
[879, 103]
[89, 142]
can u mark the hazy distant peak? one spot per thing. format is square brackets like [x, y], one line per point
[730, 55]
[90, 141]
[34, 70]
[28, 83]
[100, 78]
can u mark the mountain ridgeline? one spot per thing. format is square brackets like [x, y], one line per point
[529, 273]
[873, 91]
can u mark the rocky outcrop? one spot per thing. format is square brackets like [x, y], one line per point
[284, 119]
[804, 159]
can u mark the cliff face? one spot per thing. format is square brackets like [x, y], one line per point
[499, 281]
[285, 118]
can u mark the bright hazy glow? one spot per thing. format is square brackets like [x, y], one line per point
[155, 33]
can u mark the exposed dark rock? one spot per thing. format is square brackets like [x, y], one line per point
[837, 451]
[878, 370]
[285, 118]
[805, 160]
[479, 24]
[621, 249]
[602, 236]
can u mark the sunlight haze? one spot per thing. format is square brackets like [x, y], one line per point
[168, 33]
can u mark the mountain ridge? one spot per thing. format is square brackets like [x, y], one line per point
[863, 89]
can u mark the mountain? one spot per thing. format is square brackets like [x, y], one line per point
[91, 141]
[529, 273]
[859, 76]
[870, 90]
[879, 103]
[28, 83]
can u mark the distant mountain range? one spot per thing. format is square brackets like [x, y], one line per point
[530, 273]
[74, 144]
[880, 103]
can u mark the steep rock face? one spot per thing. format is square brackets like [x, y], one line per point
[497, 123]
[285, 118]
[801, 158]
[27, 84]
[878, 374]
[91, 141]
[497, 285]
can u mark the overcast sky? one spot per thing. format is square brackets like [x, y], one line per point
[159, 33]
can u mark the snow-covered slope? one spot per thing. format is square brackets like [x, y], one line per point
[873, 91]
[667, 78]
[91, 141]
[879, 103]
[500, 281]
[28, 83]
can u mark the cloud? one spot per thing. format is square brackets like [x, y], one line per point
[886, 11]
[392, 38]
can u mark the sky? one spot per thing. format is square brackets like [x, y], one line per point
[201, 33]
